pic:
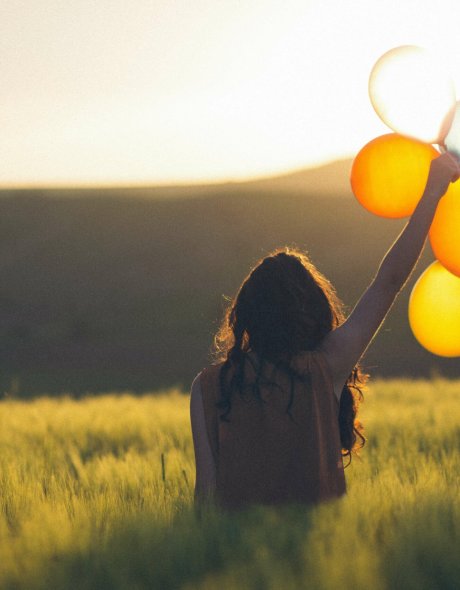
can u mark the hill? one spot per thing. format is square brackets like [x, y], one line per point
[114, 291]
[329, 179]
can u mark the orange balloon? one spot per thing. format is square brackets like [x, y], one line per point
[389, 174]
[445, 230]
[434, 311]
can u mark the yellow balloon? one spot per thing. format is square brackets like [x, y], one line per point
[412, 92]
[445, 230]
[389, 174]
[434, 311]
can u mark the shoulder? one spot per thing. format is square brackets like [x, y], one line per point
[196, 383]
[196, 398]
[195, 389]
[208, 377]
[206, 382]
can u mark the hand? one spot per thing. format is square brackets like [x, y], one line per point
[443, 170]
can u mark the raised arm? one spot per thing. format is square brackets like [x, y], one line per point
[345, 345]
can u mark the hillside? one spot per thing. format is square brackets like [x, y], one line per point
[329, 179]
[126, 293]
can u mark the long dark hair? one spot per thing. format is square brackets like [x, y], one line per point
[283, 307]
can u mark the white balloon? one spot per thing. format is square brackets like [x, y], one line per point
[452, 140]
[413, 94]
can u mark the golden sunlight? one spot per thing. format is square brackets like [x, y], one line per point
[98, 93]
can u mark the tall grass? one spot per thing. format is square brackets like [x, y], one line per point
[98, 493]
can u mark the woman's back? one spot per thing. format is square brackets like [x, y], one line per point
[264, 456]
[285, 305]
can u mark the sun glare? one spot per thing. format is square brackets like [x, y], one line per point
[174, 93]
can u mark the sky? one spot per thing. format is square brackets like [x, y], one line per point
[115, 92]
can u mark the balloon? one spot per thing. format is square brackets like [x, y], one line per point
[445, 230]
[434, 311]
[389, 174]
[412, 94]
[452, 140]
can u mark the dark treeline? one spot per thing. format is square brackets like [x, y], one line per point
[120, 293]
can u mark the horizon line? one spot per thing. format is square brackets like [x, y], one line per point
[86, 185]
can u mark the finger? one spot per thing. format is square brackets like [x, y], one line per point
[457, 169]
[455, 173]
[448, 160]
[452, 165]
[452, 159]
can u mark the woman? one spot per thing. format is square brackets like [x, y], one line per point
[272, 419]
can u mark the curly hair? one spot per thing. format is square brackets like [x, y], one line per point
[283, 307]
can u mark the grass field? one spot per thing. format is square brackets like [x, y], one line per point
[98, 493]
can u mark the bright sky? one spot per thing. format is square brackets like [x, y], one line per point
[158, 91]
